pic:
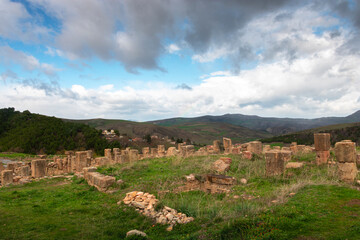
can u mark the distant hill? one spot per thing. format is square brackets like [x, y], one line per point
[33, 133]
[198, 132]
[273, 126]
[338, 132]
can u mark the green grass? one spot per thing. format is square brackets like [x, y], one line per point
[322, 208]
[16, 155]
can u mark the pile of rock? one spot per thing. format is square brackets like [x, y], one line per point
[145, 204]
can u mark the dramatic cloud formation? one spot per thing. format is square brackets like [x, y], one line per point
[273, 58]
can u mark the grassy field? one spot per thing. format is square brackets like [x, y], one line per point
[17, 156]
[322, 207]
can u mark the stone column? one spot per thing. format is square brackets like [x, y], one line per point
[345, 153]
[153, 152]
[274, 163]
[6, 177]
[161, 150]
[322, 147]
[108, 154]
[89, 154]
[134, 155]
[227, 145]
[25, 171]
[38, 168]
[293, 147]
[81, 160]
[255, 147]
[146, 152]
[216, 146]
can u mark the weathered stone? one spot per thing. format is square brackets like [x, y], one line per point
[266, 148]
[80, 160]
[220, 179]
[226, 160]
[134, 155]
[293, 147]
[191, 177]
[294, 165]
[243, 181]
[227, 145]
[6, 177]
[322, 141]
[247, 155]
[255, 147]
[322, 157]
[345, 152]
[347, 171]
[135, 232]
[220, 166]
[216, 146]
[108, 154]
[89, 153]
[274, 163]
[285, 155]
[101, 182]
[38, 168]
[25, 171]
[171, 151]
[11, 166]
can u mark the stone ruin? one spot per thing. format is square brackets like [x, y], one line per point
[145, 203]
[276, 158]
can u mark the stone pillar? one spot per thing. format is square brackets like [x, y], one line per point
[81, 160]
[285, 155]
[146, 152]
[89, 154]
[2, 168]
[227, 145]
[255, 147]
[161, 150]
[274, 163]
[345, 153]
[216, 146]
[266, 148]
[153, 152]
[6, 177]
[189, 150]
[322, 147]
[108, 154]
[171, 151]
[38, 168]
[11, 166]
[293, 147]
[25, 171]
[134, 155]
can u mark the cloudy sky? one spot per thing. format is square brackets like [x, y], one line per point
[146, 60]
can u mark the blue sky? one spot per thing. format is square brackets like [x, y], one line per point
[145, 60]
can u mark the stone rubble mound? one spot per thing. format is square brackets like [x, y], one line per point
[145, 204]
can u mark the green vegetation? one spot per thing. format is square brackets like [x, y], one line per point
[33, 133]
[322, 207]
[16, 155]
[338, 132]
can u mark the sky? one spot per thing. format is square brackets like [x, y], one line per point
[153, 59]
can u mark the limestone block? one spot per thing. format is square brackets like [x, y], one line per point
[226, 160]
[153, 152]
[2, 168]
[89, 153]
[108, 154]
[322, 157]
[38, 168]
[134, 155]
[101, 182]
[266, 148]
[216, 146]
[345, 152]
[322, 141]
[220, 179]
[255, 147]
[6, 177]
[25, 171]
[285, 155]
[220, 166]
[274, 163]
[227, 145]
[347, 171]
[161, 148]
[294, 165]
[80, 160]
[300, 148]
[11, 166]
[247, 155]
[171, 151]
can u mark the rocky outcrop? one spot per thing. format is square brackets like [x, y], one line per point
[145, 204]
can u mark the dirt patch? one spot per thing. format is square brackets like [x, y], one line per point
[353, 203]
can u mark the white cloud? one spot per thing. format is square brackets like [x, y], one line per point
[173, 48]
[321, 84]
[9, 56]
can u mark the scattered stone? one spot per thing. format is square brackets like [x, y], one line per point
[145, 204]
[190, 178]
[221, 166]
[6, 177]
[243, 181]
[120, 181]
[294, 165]
[135, 232]
[170, 228]
[292, 194]
[236, 197]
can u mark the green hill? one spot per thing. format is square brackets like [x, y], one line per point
[273, 126]
[199, 132]
[338, 132]
[34, 133]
